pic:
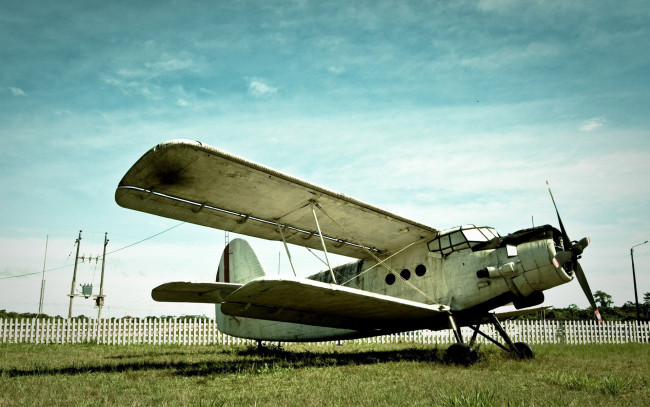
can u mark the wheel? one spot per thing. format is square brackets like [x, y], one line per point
[461, 354]
[524, 351]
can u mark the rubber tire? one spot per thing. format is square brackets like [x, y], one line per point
[524, 351]
[461, 354]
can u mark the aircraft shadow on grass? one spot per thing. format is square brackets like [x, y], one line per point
[249, 361]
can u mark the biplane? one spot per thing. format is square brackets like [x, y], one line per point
[407, 275]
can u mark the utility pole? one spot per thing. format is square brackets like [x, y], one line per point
[74, 275]
[40, 302]
[636, 296]
[100, 297]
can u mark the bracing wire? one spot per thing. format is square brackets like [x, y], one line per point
[100, 257]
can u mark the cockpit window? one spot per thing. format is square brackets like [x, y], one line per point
[460, 238]
[488, 231]
[475, 235]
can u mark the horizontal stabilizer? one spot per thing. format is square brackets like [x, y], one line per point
[309, 302]
[210, 293]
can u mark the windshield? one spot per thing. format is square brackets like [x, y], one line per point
[461, 238]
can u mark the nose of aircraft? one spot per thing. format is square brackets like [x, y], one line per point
[572, 252]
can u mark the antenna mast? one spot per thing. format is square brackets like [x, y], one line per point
[40, 302]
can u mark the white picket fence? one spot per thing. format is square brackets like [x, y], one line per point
[205, 332]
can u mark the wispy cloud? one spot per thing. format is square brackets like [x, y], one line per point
[336, 69]
[169, 65]
[258, 88]
[592, 124]
[17, 91]
[497, 57]
[133, 87]
[142, 80]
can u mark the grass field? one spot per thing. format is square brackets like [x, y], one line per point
[312, 375]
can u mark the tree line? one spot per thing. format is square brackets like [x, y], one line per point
[605, 303]
[4, 314]
[609, 312]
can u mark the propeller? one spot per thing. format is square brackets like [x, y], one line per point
[571, 253]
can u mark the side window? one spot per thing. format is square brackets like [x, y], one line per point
[458, 241]
[445, 245]
[444, 242]
[434, 245]
[463, 237]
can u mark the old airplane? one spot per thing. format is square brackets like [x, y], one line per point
[408, 276]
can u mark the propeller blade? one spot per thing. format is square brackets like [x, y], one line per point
[565, 236]
[581, 245]
[572, 252]
[563, 256]
[584, 284]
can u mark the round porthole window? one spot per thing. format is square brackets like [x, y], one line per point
[390, 278]
[420, 270]
[406, 274]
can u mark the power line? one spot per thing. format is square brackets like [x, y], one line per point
[114, 251]
[145, 239]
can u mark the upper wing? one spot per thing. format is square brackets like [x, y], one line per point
[195, 183]
[210, 293]
[314, 303]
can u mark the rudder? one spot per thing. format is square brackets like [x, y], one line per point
[239, 263]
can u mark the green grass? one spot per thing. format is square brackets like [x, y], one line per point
[312, 375]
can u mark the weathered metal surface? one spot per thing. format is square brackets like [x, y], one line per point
[195, 183]
[314, 303]
[209, 293]
[406, 278]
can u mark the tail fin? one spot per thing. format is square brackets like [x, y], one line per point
[239, 264]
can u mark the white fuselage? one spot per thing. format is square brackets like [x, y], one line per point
[470, 280]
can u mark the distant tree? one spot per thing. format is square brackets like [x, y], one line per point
[629, 306]
[604, 299]
[645, 307]
[572, 311]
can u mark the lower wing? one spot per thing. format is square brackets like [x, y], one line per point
[307, 302]
[311, 302]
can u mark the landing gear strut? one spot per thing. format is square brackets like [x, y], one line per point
[461, 353]
[520, 350]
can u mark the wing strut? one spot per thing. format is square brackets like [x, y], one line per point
[389, 268]
[287, 249]
[380, 262]
[313, 211]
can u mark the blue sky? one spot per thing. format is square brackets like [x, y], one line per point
[443, 112]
